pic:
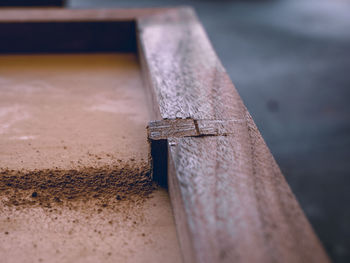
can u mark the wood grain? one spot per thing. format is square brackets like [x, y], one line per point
[21, 15]
[163, 129]
[188, 79]
[231, 202]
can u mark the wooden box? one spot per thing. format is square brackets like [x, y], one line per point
[229, 199]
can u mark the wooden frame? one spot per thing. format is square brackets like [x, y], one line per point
[230, 201]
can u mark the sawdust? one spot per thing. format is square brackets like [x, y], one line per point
[50, 187]
[72, 127]
[86, 230]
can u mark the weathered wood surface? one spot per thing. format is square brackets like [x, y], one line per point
[20, 15]
[188, 79]
[161, 130]
[231, 202]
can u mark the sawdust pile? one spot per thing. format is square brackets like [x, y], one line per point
[56, 186]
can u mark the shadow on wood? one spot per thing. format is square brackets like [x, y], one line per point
[159, 153]
[29, 3]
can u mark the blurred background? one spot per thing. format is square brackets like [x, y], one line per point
[290, 61]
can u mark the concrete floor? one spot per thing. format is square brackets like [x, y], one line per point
[290, 61]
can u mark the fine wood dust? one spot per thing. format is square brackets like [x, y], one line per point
[72, 127]
[82, 231]
[49, 187]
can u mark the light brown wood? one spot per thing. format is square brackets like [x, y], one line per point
[75, 115]
[20, 15]
[161, 130]
[54, 102]
[230, 200]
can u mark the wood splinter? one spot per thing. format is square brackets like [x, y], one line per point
[158, 133]
[177, 128]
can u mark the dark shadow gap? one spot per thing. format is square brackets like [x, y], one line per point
[68, 37]
[159, 153]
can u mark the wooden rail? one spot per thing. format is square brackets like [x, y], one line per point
[231, 202]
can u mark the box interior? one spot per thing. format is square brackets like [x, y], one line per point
[74, 158]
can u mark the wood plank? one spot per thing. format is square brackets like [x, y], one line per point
[188, 79]
[230, 200]
[162, 130]
[237, 208]
[21, 15]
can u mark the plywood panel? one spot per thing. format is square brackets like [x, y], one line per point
[75, 180]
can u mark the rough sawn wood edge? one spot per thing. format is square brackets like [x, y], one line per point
[30, 15]
[231, 202]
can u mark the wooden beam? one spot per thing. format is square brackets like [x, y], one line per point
[231, 202]
[31, 15]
